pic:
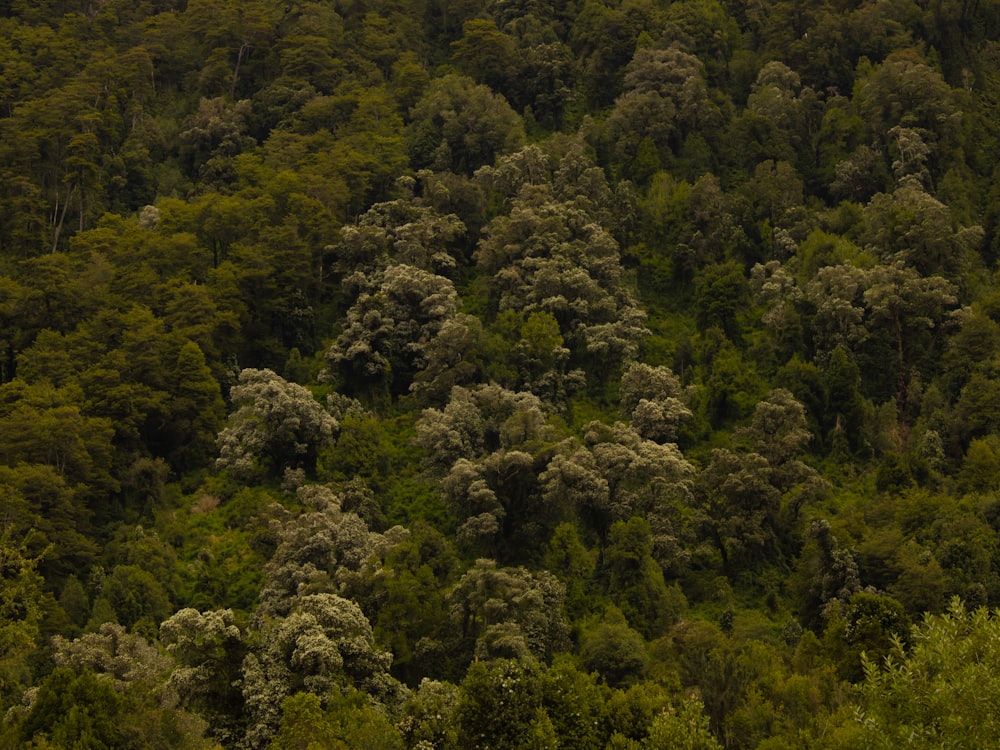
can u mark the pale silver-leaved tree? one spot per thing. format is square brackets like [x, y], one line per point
[274, 425]
[654, 399]
[323, 550]
[510, 612]
[324, 644]
[396, 314]
[207, 649]
[485, 444]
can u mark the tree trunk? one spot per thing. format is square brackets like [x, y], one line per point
[57, 230]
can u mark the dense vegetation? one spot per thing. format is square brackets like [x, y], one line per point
[526, 374]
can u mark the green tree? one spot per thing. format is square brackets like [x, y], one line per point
[75, 710]
[845, 404]
[981, 465]
[576, 704]
[778, 428]
[721, 292]
[969, 348]
[904, 90]
[309, 49]
[370, 150]
[21, 595]
[665, 98]
[196, 409]
[631, 712]
[52, 514]
[459, 125]
[977, 410]
[635, 579]
[938, 690]
[571, 562]
[871, 623]
[429, 715]
[45, 425]
[777, 193]
[618, 475]
[786, 113]
[837, 292]
[827, 574]
[136, 597]
[912, 307]
[603, 38]
[488, 445]
[413, 614]
[684, 728]
[305, 726]
[775, 288]
[498, 703]
[324, 550]
[107, 685]
[741, 508]
[345, 722]
[614, 650]
[485, 53]
[123, 659]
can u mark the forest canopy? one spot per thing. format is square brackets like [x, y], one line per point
[432, 375]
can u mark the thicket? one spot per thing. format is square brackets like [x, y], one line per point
[513, 374]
